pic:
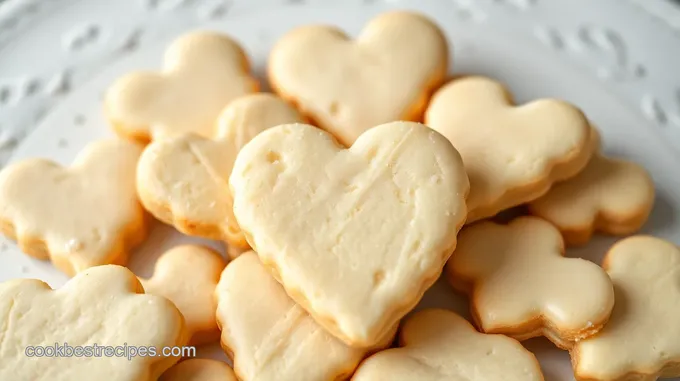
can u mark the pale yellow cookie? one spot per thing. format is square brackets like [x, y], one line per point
[187, 276]
[269, 337]
[202, 72]
[183, 180]
[512, 154]
[611, 196]
[101, 314]
[78, 217]
[346, 87]
[355, 235]
[521, 285]
[641, 342]
[199, 370]
[438, 345]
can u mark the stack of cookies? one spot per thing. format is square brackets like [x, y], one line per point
[339, 209]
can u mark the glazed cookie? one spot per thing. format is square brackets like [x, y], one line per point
[183, 180]
[511, 154]
[269, 337]
[439, 345]
[641, 342]
[101, 307]
[611, 196]
[388, 73]
[521, 285]
[203, 72]
[187, 276]
[199, 370]
[78, 217]
[355, 235]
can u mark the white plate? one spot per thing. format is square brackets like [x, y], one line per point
[612, 58]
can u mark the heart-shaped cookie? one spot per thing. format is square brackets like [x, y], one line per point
[438, 345]
[511, 154]
[78, 217]
[346, 87]
[183, 180]
[521, 285]
[203, 72]
[641, 342]
[199, 269]
[269, 337]
[355, 235]
[611, 196]
[95, 327]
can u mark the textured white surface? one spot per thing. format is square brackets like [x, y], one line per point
[611, 57]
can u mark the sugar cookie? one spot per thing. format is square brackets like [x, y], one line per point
[103, 306]
[183, 180]
[388, 73]
[187, 276]
[199, 370]
[78, 217]
[521, 285]
[355, 235]
[611, 196]
[438, 345]
[512, 154]
[202, 73]
[269, 337]
[641, 342]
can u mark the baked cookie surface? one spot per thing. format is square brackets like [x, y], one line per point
[81, 216]
[355, 235]
[348, 86]
[512, 154]
[202, 72]
[103, 306]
